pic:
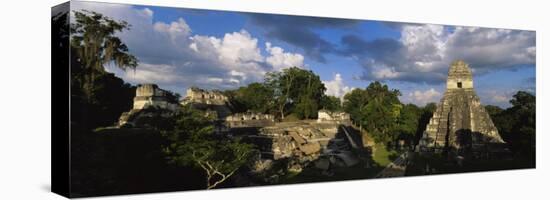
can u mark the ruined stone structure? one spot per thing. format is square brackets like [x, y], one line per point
[304, 143]
[149, 96]
[321, 143]
[197, 95]
[249, 116]
[339, 117]
[298, 140]
[213, 102]
[460, 122]
[249, 119]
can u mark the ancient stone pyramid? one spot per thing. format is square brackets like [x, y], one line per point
[460, 121]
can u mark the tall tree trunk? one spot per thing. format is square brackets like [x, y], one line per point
[283, 103]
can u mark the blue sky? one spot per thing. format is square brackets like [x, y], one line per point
[179, 48]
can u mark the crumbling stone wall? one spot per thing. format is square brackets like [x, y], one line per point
[249, 119]
[197, 95]
[304, 143]
[339, 117]
[147, 96]
[297, 145]
[213, 102]
[151, 95]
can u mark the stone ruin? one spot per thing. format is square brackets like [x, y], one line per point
[151, 95]
[460, 122]
[328, 116]
[296, 140]
[212, 102]
[148, 96]
[197, 95]
[305, 143]
[249, 119]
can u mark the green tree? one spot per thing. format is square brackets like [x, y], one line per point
[255, 97]
[95, 44]
[517, 124]
[382, 112]
[193, 142]
[281, 84]
[331, 103]
[297, 89]
[524, 104]
[377, 109]
[493, 110]
[407, 123]
[354, 104]
[99, 96]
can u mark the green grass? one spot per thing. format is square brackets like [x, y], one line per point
[382, 156]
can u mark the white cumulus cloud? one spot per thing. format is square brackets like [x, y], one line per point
[423, 53]
[336, 87]
[176, 29]
[237, 52]
[421, 98]
[174, 57]
[280, 59]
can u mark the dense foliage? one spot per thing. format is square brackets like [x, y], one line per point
[101, 96]
[256, 97]
[193, 142]
[408, 122]
[293, 91]
[297, 90]
[331, 103]
[516, 124]
[377, 109]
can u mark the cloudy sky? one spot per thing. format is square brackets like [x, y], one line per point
[179, 48]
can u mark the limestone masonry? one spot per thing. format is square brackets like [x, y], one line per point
[148, 96]
[151, 95]
[460, 122]
[325, 115]
[249, 119]
[213, 102]
[197, 95]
